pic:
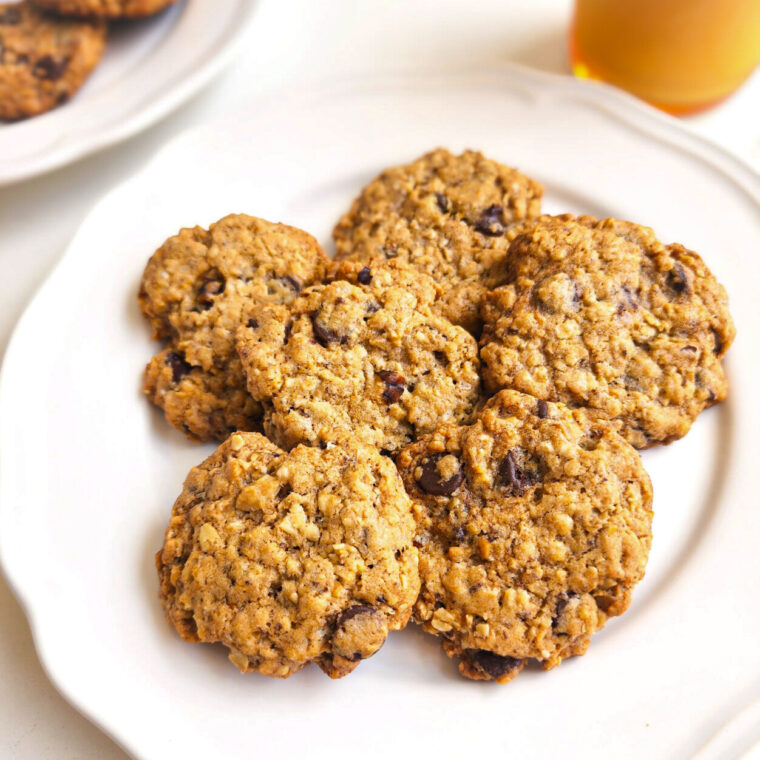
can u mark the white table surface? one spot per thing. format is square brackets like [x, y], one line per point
[289, 42]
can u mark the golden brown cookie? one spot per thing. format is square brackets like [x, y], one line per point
[195, 290]
[105, 8]
[203, 403]
[289, 559]
[44, 60]
[451, 217]
[364, 356]
[600, 314]
[533, 526]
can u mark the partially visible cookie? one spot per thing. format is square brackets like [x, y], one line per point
[195, 290]
[451, 217]
[289, 559]
[111, 9]
[364, 356]
[204, 403]
[44, 60]
[533, 526]
[600, 314]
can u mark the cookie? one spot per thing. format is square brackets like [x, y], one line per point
[533, 526]
[111, 9]
[451, 217]
[203, 403]
[44, 60]
[195, 290]
[366, 357]
[601, 314]
[289, 559]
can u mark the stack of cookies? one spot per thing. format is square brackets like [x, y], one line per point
[441, 424]
[48, 48]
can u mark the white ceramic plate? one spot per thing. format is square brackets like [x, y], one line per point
[150, 67]
[89, 471]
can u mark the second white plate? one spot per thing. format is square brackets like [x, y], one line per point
[88, 472]
[150, 67]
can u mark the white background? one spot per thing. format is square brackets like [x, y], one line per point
[289, 42]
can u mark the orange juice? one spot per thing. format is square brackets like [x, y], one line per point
[680, 55]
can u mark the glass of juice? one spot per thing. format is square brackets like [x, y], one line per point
[679, 55]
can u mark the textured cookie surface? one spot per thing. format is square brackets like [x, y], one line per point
[194, 291]
[105, 8]
[603, 315]
[364, 356]
[451, 217]
[534, 525]
[289, 559]
[43, 59]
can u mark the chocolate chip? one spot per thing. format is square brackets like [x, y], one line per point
[10, 16]
[372, 307]
[287, 331]
[441, 358]
[352, 612]
[253, 323]
[542, 409]
[604, 602]
[292, 283]
[677, 280]
[430, 480]
[491, 221]
[179, 366]
[49, 69]
[394, 385]
[364, 276]
[559, 607]
[492, 664]
[324, 335]
[444, 204]
[630, 300]
[209, 289]
[359, 632]
[719, 345]
[519, 476]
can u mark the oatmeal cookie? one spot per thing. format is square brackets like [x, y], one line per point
[366, 357]
[44, 60]
[449, 216]
[289, 559]
[600, 314]
[533, 526]
[195, 290]
[203, 403]
[111, 9]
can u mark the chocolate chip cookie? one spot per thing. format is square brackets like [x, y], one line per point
[112, 9]
[449, 216]
[195, 290]
[289, 559]
[601, 314]
[364, 356]
[533, 526]
[44, 60]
